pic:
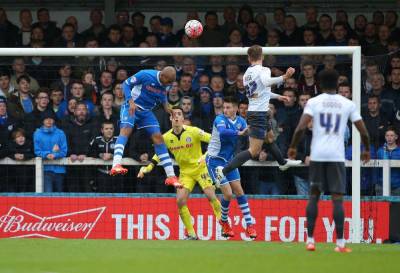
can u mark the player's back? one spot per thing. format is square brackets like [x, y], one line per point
[225, 146]
[256, 90]
[330, 114]
[148, 90]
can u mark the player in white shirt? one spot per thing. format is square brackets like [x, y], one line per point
[258, 81]
[329, 113]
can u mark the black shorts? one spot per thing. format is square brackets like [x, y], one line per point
[328, 176]
[259, 124]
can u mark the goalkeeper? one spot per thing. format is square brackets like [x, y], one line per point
[184, 142]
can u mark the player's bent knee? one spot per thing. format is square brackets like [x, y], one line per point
[125, 131]
[157, 138]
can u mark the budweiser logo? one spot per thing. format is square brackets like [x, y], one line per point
[18, 223]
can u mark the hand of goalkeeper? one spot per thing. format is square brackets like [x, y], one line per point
[202, 160]
[145, 169]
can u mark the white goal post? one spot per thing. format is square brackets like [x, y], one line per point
[354, 51]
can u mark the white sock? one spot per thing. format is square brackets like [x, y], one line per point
[117, 160]
[310, 240]
[340, 243]
[169, 171]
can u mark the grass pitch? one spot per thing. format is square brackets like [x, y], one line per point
[97, 256]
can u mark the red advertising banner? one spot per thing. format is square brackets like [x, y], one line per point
[157, 218]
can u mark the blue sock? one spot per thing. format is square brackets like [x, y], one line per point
[165, 161]
[244, 207]
[119, 149]
[224, 209]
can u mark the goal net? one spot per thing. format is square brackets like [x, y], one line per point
[85, 202]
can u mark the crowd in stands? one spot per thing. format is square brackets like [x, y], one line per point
[69, 107]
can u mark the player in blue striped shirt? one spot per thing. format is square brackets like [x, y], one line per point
[143, 91]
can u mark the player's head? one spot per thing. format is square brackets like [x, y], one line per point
[328, 80]
[167, 75]
[230, 106]
[254, 53]
[177, 118]
[107, 129]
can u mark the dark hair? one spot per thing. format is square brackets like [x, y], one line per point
[107, 122]
[81, 103]
[41, 10]
[16, 132]
[393, 129]
[114, 27]
[244, 101]
[68, 25]
[44, 90]
[231, 99]
[5, 72]
[158, 17]
[186, 75]
[106, 93]
[327, 16]
[281, 9]
[344, 84]
[210, 13]
[294, 91]
[339, 24]
[308, 63]
[395, 14]
[375, 97]
[328, 79]
[138, 13]
[23, 77]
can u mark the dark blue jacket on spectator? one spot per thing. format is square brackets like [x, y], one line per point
[368, 175]
[44, 141]
[384, 153]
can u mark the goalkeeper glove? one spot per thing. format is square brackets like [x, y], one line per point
[145, 169]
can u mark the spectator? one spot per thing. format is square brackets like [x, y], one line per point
[119, 99]
[97, 30]
[285, 115]
[216, 66]
[64, 82]
[291, 35]
[7, 125]
[311, 16]
[185, 85]
[113, 37]
[34, 119]
[69, 37]
[390, 150]
[308, 83]
[205, 106]
[106, 112]
[193, 117]
[391, 18]
[279, 19]
[378, 18]
[69, 111]
[51, 31]
[80, 130]
[343, 18]
[252, 35]
[21, 178]
[237, 89]
[155, 24]
[204, 80]
[360, 23]
[245, 15]
[92, 63]
[344, 89]
[174, 96]
[6, 88]
[50, 143]
[369, 37]
[235, 38]
[167, 38]
[232, 71]
[386, 96]
[19, 69]
[77, 92]
[229, 22]
[121, 74]
[21, 102]
[339, 34]
[212, 35]
[138, 22]
[309, 37]
[291, 83]
[217, 84]
[370, 70]
[375, 121]
[102, 147]
[24, 33]
[8, 31]
[128, 36]
[261, 21]
[74, 22]
[325, 29]
[106, 81]
[90, 86]
[218, 102]
[381, 45]
[56, 98]
[122, 17]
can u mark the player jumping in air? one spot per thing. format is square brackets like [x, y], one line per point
[329, 113]
[258, 81]
[143, 91]
[184, 142]
[226, 129]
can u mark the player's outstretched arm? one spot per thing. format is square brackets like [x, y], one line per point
[298, 134]
[365, 154]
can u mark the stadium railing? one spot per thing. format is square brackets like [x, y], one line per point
[386, 166]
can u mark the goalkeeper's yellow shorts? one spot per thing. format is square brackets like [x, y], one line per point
[202, 177]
